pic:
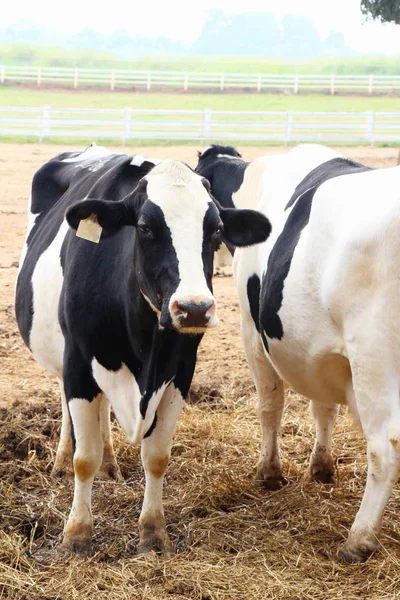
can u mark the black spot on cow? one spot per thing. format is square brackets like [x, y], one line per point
[282, 253]
[253, 294]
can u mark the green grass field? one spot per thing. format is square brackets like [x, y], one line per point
[19, 96]
[36, 55]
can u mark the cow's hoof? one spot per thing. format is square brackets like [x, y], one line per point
[350, 552]
[323, 474]
[153, 536]
[271, 480]
[70, 546]
[160, 544]
[110, 471]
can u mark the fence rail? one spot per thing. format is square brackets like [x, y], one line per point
[199, 125]
[158, 80]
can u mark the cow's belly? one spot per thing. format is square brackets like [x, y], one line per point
[46, 340]
[322, 374]
[311, 355]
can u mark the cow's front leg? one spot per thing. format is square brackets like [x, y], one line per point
[322, 467]
[156, 450]
[88, 454]
[269, 406]
[63, 466]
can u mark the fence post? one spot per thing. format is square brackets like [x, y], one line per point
[222, 82]
[45, 125]
[205, 135]
[288, 131]
[76, 79]
[2, 74]
[332, 84]
[370, 84]
[39, 76]
[370, 126]
[127, 124]
[186, 82]
[296, 83]
[148, 81]
[259, 81]
[112, 83]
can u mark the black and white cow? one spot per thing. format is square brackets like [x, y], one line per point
[121, 320]
[224, 168]
[319, 310]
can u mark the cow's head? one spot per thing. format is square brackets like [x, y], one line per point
[178, 227]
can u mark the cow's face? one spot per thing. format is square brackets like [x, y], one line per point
[178, 228]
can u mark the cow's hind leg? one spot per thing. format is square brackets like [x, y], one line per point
[109, 467]
[269, 407]
[63, 462]
[321, 464]
[377, 400]
[156, 450]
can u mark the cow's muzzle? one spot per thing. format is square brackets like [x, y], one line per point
[193, 315]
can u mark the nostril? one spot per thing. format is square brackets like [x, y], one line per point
[195, 309]
[193, 314]
[181, 308]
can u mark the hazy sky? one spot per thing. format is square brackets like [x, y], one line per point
[182, 19]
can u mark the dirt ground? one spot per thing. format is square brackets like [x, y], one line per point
[235, 541]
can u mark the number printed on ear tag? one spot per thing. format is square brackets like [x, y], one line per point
[89, 229]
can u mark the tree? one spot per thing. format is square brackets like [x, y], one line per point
[387, 11]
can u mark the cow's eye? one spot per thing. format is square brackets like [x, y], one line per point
[145, 229]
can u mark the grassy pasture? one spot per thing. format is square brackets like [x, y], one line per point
[20, 96]
[36, 55]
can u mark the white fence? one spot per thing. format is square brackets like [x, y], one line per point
[127, 124]
[158, 80]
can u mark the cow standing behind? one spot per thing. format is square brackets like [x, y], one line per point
[319, 310]
[224, 168]
[120, 321]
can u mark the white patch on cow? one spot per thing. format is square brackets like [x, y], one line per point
[90, 153]
[156, 450]
[122, 390]
[228, 156]
[180, 194]
[250, 192]
[46, 340]
[138, 160]
[223, 258]
[93, 158]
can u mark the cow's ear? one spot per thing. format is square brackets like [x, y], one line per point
[111, 216]
[243, 227]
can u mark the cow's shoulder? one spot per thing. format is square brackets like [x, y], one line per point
[330, 169]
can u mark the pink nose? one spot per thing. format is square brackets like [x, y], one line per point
[193, 314]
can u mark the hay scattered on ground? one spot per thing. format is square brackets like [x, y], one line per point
[234, 540]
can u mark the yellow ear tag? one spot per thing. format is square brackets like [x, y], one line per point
[89, 229]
